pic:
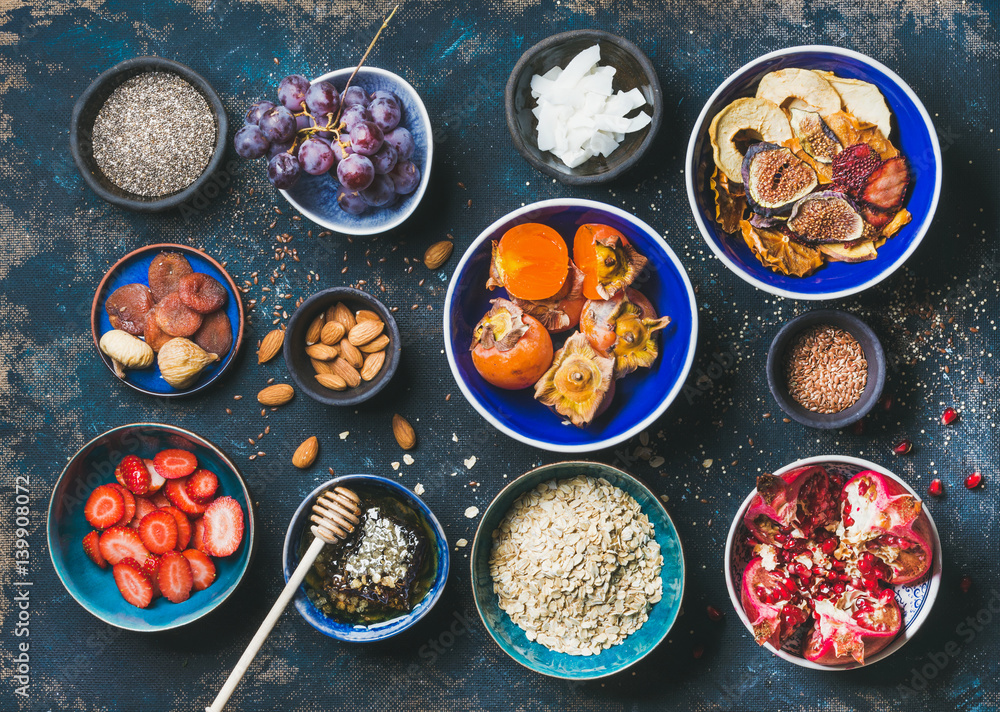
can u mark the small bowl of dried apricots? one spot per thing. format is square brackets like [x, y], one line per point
[570, 325]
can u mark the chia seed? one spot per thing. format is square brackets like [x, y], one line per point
[154, 135]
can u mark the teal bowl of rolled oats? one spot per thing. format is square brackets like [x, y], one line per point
[577, 570]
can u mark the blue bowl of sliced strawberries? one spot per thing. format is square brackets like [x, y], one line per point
[150, 527]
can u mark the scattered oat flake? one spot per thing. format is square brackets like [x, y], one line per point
[343, 435]
[395, 465]
[454, 437]
[472, 512]
[471, 462]
[418, 489]
[707, 463]
[461, 543]
[408, 459]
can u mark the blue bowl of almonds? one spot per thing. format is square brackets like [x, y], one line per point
[384, 577]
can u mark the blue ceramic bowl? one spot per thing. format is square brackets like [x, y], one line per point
[912, 132]
[536, 656]
[640, 398]
[916, 600]
[134, 268]
[94, 588]
[316, 196]
[380, 631]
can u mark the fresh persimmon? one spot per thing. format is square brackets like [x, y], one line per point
[531, 261]
[510, 349]
[560, 312]
[623, 328]
[608, 261]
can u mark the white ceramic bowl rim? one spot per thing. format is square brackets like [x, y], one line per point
[934, 582]
[668, 398]
[692, 189]
[425, 168]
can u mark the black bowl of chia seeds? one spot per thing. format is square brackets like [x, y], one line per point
[826, 369]
[148, 134]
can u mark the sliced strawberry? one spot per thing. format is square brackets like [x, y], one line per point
[183, 527]
[158, 531]
[143, 506]
[175, 577]
[202, 485]
[105, 507]
[223, 527]
[128, 499]
[885, 188]
[875, 218]
[156, 480]
[119, 543]
[152, 570]
[135, 587]
[92, 549]
[198, 534]
[174, 464]
[177, 493]
[160, 500]
[132, 474]
[202, 568]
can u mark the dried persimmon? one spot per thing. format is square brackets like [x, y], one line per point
[531, 261]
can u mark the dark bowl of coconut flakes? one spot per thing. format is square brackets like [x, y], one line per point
[148, 134]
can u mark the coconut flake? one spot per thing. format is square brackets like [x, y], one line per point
[579, 115]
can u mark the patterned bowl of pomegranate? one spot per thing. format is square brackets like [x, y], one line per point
[833, 562]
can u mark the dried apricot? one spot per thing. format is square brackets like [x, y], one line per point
[530, 261]
[215, 334]
[153, 334]
[201, 292]
[607, 259]
[175, 318]
[510, 349]
[127, 307]
[165, 272]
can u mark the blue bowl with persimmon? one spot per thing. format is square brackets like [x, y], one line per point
[570, 325]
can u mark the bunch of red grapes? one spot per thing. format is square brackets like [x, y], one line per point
[356, 137]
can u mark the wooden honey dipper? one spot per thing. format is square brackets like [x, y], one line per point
[335, 515]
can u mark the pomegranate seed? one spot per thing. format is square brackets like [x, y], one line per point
[848, 521]
[886, 596]
[903, 447]
[965, 583]
[714, 614]
[887, 402]
[848, 508]
[830, 545]
[949, 416]
[973, 480]
[698, 651]
[935, 488]
[859, 427]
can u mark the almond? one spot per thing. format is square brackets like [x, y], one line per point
[342, 314]
[278, 394]
[321, 366]
[372, 365]
[438, 253]
[321, 352]
[331, 381]
[351, 354]
[333, 331]
[314, 330]
[375, 345]
[364, 332]
[347, 372]
[305, 454]
[367, 315]
[403, 432]
[270, 345]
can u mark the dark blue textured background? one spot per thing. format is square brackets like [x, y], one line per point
[936, 318]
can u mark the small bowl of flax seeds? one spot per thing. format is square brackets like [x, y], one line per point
[826, 369]
[148, 134]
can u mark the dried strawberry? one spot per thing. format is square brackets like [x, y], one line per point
[165, 272]
[885, 188]
[853, 165]
[201, 292]
[175, 318]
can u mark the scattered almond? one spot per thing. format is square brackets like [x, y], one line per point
[321, 366]
[403, 432]
[278, 394]
[315, 329]
[321, 352]
[270, 345]
[364, 332]
[331, 381]
[437, 254]
[374, 345]
[333, 331]
[305, 454]
[342, 314]
[367, 315]
[351, 354]
[372, 365]
[346, 371]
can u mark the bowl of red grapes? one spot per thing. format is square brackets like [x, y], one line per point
[352, 154]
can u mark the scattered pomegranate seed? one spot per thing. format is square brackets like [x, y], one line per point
[965, 583]
[936, 488]
[714, 613]
[949, 416]
[859, 427]
[973, 480]
[698, 651]
[903, 447]
[887, 402]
